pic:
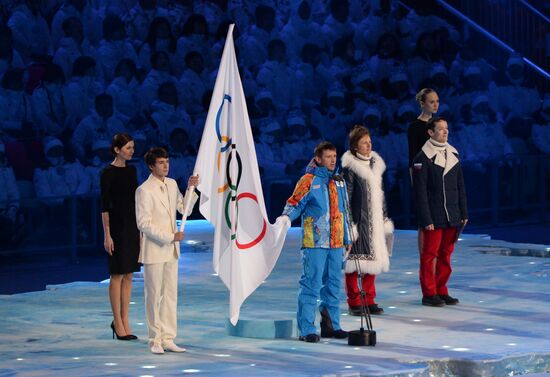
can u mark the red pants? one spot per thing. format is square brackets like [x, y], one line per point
[435, 260]
[354, 293]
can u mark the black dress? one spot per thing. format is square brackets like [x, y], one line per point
[417, 136]
[118, 188]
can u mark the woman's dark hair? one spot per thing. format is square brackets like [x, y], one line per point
[356, 134]
[120, 140]
[421, 95]
[152, 35]
[152, 155]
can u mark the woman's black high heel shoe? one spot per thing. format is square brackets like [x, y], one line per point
[124, 337]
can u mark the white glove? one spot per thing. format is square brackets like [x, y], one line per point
[284, 220]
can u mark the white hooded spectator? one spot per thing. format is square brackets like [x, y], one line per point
[48, 103]
[124, 89]
[113, 47]
[397, 92]
[212, 12]
[182, 156]
[139, 18]
[31, 33]
[426, 54]
[253, 44]
[160, 38]
[167, 115]
[440, 82]
[240, 12]
[160, 72]
[100, 124]
[277, 77]
[485, 129]
[72, 45]
[89, 17]
[515, 95]
[9, 57]
[312, 76]
[540, 133]
[195, 82]
[194, 37]
[334, 122]
[81, 91]
[425, 21]
[465, 58]
[343, 61]
[9, 195]
[380, 20]
[101, 156]
[298, 141]
[15, 107]
[268, 147]
[387, 58]
[338, 24]
[59, 178]
[300, 30]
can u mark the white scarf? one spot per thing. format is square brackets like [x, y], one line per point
[445, 154]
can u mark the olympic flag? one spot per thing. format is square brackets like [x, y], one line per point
[246, 245]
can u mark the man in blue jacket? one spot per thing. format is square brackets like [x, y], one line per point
[441, 211]
[320, 199]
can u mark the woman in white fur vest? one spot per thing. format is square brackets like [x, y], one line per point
[371, 229]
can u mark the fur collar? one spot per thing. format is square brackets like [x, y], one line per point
[361, 167]
[430, 151]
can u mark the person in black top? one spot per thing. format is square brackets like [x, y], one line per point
[441, 211]
[118, 186]
[417, 133]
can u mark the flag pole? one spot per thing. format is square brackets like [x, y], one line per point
[186, 205]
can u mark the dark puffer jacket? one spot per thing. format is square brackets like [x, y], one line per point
[440, 198]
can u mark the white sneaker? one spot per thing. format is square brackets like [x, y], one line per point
[173, 347]
[156, 348]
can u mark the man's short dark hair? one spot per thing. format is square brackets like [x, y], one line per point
[433, 121]
[153, 154]
[323, 146]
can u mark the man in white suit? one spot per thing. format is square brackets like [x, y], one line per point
[157, 200]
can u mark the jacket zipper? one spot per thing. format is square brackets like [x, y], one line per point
[445, 198]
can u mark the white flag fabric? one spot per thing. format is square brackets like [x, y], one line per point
[246, 245]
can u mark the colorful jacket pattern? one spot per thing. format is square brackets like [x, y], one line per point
[320, 199]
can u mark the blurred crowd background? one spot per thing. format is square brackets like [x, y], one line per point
[75, 72]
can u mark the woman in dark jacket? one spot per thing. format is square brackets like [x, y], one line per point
[372, 230]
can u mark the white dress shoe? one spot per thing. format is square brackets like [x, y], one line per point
[156, 348]
[173, 347]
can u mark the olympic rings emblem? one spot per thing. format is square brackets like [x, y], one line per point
[254, 242]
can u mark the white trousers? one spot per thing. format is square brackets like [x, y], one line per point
[161, 300]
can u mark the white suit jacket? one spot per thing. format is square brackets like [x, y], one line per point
[156, 218]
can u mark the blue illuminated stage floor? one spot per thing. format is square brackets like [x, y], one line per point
[500, 328]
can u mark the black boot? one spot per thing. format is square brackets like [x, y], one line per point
[327, 330]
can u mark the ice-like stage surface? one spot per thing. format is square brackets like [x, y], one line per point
[500, 328]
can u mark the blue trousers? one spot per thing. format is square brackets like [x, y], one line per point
[321, 276]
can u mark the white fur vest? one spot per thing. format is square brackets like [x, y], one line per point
[370, 226]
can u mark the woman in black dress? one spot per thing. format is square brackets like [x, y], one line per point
[417, 134]
[118, 186]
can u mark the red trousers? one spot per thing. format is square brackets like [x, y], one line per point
[354, 293]
[435, 260]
